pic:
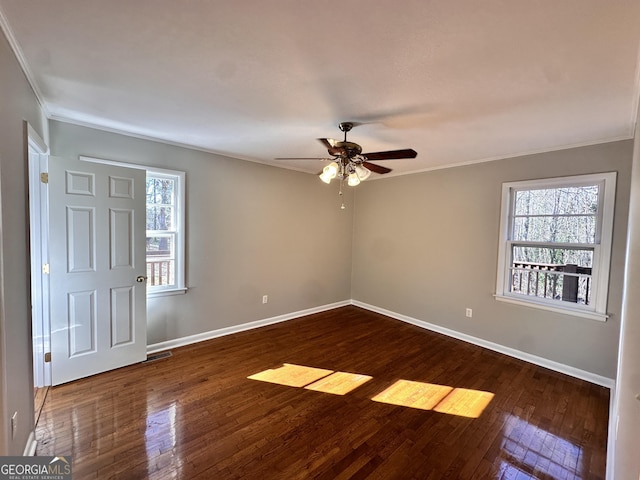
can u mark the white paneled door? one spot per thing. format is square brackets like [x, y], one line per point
[98, 267]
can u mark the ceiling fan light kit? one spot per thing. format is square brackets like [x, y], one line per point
[352, 171]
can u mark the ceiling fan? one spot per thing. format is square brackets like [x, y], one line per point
[348, 161]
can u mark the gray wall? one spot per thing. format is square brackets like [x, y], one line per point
[627, 460]
[426, 245]
[17, 104]
[251, 230]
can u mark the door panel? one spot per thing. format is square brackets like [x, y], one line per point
[122, 238]
[81, 239]
[97, 250]
[122, 316]
[82, 322]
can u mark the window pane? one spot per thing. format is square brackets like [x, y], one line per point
[553, 256]
[557, 201]
[578, 229]
[553, 273]
[160, 190]
[160, 260]
[160, 272]
[160, 218]
[162, 245]
[551, 285]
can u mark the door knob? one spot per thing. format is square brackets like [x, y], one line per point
[141, 279]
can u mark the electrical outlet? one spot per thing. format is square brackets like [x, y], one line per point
[14, 424]
[469, 313]
[265, 299]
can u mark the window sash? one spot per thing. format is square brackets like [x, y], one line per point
[161, 267]
[591, 286]
[555, 183]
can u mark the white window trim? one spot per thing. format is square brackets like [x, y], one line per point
[602, 248]
[180, 267]
[160, 290]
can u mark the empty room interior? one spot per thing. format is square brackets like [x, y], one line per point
[324, 240]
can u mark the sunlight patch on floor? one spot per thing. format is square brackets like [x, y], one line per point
[420, 395]
[317, 379]
[339, 383]
[291, 375]
[465, 403]
[462, 402]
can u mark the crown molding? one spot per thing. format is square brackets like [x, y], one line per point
[149, 138]
[512, 155]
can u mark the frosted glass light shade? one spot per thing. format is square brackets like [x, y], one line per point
[325, 177]
[353, 179]
[363, 173]
[331, 169]
[329, 172]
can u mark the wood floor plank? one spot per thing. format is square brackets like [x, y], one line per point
[197, 415]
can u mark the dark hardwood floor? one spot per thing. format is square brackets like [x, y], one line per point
[196, 415]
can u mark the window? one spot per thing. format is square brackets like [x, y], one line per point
[165, 231]
[555, 243]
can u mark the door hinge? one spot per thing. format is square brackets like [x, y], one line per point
[47, 357]
[44, 177]
[45, 268]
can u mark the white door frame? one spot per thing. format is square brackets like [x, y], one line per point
[39, 252]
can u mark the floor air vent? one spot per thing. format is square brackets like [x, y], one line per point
[157, 356]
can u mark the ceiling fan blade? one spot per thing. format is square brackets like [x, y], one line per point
[391, 154]
[327, 142]
[331, 148]
[376, 168]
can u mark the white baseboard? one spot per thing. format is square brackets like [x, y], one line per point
[512, 352]
[30, 447]
[200, 337]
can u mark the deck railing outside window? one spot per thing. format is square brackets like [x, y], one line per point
[569, 283]
[160, 271]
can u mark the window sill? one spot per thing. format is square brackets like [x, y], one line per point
[167, 293]
[576, 312]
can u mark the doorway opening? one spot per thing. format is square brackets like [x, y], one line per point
[38, 237]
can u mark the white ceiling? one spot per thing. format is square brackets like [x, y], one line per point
[459, 81]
